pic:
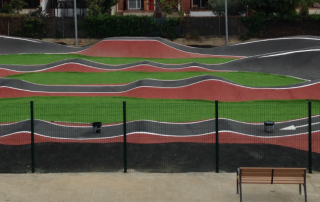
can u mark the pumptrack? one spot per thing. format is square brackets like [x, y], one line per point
[148, 46]
[200, 87]
[300, 63]
[153, 132]
[289, 56]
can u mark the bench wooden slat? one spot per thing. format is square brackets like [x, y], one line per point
[248, 175]
[272, 175]
[255, 174]
[287, 174]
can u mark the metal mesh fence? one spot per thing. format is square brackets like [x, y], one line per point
[15, 150]
[316, 136]
[263, 135]
[212, 26]
[66, 141]
[167, 137]
[160, 137]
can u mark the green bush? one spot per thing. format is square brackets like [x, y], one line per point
[6, 8]
[304, 10]
[314, 17]
[34, 28]
[254, 23]
[129, 25]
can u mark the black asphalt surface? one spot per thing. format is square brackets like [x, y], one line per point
[14, 45]
[290, 56]
[27, 86]
[302, 65]
[56, 130]
[254, 48]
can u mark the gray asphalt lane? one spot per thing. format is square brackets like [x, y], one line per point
[57, 130]
[14, 45]
[302, 65]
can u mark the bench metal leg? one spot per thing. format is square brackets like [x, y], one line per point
[240, 192]
[305, 192]
[237, 187]
[300, 189]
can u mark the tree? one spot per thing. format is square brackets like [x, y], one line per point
[96, 7]
[235, 7]
[304, 10]
[6, 8]
[17, 5]
[281, 7]
[107, 4]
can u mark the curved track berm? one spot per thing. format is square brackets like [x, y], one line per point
[301, 64]
[201, 87]
[157, 47]
[231, 132]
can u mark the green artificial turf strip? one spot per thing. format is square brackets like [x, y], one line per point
[76, 78]
[109, 109]
[36, 59]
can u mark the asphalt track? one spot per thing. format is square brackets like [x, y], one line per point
[153, 132]
[119, 47]
[302, 64]
[292, 56]
[201, 87]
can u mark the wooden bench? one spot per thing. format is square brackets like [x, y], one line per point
[271, 176]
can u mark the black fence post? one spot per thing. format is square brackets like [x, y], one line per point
[310, 137]
[124, 138]
[217, 136]
[32, 137]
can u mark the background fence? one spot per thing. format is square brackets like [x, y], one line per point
[158, 137]
[63, 27]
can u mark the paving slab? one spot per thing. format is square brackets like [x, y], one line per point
[145, 187]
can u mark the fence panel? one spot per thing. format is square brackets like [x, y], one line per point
[244, 140]
[65, 140]
[171, 137]
[213, 26]
[316, 136]
[15, 138]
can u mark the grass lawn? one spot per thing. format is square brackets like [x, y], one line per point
[109, 109]
[65, 78]
[36, 59]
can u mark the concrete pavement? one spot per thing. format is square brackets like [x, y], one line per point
[145, 187]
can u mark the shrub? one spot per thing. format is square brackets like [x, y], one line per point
[129, 25]
[34, 28]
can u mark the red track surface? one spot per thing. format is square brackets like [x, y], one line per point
[141, 49]
[206, 90]
[298, 142]
[72, 67]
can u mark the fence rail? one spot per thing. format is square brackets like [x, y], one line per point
[158, 137]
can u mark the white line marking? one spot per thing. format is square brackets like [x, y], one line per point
[163, 135]
[88, 66]
[291, 52]
[126, 40]
[292, 127]
[276, 39]
[22, 39]
[159, 87]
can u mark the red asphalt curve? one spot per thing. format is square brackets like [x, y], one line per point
[205, 90]
[297, 141]
[141, 49]
[71, 67]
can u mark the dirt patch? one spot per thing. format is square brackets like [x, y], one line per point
[165, 158]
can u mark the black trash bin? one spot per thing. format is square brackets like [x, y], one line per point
[96, 127]
[269, 126]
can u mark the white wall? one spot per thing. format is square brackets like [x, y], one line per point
[43, 4]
